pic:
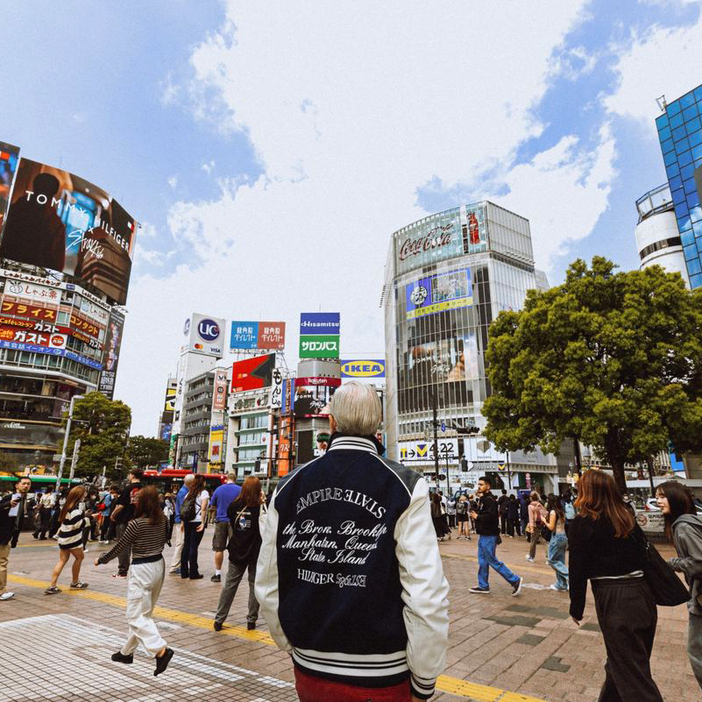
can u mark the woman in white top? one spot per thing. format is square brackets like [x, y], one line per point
[193, 514]
[70, 540]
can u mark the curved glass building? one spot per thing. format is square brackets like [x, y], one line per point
[447, 277]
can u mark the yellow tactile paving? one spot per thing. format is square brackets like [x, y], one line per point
[445, 683]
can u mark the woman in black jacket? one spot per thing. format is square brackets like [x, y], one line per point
[606, 549]
[244, 545]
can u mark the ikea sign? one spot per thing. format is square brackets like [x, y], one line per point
[363, 368]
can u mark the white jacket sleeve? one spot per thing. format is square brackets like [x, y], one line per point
[424, 592]
[267, 578]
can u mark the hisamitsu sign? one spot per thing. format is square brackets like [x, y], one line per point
[320, 323]
[363, 368]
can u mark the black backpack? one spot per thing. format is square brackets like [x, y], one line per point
[188, 510]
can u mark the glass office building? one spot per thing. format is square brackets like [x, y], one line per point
[447, 277]
[680, 135]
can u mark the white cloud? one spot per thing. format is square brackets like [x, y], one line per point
[660, 61]
[350, 108]
[173, 182]
[208, 167]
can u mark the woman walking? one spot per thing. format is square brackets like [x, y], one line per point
[462, 508]
[244, 545]
[193, 522]
[684, 529]
[537, 517]
[606, 549]
[146, 535]
[558, 543]
[71, 523]
[438, 517]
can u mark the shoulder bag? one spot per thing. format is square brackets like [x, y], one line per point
[667, 588]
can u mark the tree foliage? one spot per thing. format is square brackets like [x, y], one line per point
[102, 426]
[147, 451]
[613, 359]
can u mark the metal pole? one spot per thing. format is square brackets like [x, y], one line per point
[65, 442]
[578, 457]
[436, 440]
[448, 479]
[649, 461]
[509, 473]
[74, 459]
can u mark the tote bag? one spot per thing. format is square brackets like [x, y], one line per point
[667, 588]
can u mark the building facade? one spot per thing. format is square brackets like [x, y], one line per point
[447, 277]
[196, 420]
[680, 136]
[54, 344]
[657, 237]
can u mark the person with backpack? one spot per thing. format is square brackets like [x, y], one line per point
[462, 507]
[683, 527]
[502, 505]
[568, 511]
[243, 547]
[438, 517]
[193, 516]
[558, 543]
[537, 517]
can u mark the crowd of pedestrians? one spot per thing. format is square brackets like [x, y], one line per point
[343, 562]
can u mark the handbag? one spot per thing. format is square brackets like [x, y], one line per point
[667, 588]
[546, 533]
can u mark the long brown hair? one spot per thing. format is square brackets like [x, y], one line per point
[198, 485]
[250, 495]
[680, 502]
[74, 497]
[599, 496]
[148, 505]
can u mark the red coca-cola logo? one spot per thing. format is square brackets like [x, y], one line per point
[435, 239]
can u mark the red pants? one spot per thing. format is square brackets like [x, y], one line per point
[313, 689]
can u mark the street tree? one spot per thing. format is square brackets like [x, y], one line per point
[613, 359]
[102, 425]
[147, 451]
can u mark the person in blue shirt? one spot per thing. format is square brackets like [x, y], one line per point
[223, 496]
[178, 550]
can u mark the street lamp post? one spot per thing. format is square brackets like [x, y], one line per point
[65, 441]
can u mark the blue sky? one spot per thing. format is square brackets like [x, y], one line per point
[271, 148]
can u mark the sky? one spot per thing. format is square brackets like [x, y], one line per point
[270, 149]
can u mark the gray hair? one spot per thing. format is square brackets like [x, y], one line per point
[189, 479]
[356, 408]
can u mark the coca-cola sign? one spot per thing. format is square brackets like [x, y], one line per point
[434, 239]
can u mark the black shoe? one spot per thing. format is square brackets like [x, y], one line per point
[119, 657]
[218, 626]
[480, 590]
[250, 625]
[216, 578]
[184, 576]
[163, 661]
[199, 576]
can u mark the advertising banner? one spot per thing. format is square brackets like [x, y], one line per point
[328, 382]
[310, 400]
[166, 430]
[169, 404]
[320, 323]
[215, 453]
[277, 391]
[204, 335]
[424, 450]
[439, 292]
[219, 401]
[9, 156]
[288, 395]
[253, 373]
[363, 368]
[257, 335]
[60, 221]
[445, 361]
[319, 346]
[25, 346]
[24, 309]
[113, 343]
[54, 341]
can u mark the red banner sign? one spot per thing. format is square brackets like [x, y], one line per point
[22, 336]
[31, 311]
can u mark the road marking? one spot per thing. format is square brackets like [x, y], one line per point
[445, 683]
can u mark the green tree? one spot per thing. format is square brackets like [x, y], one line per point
[102, 426]
[613, 359]
[147, 451]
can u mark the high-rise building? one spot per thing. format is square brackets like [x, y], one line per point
[680, 135]
[447, 277]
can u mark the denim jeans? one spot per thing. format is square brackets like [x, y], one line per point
[556, 559]
[487, 559]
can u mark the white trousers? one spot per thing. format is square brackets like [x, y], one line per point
[179, 539]
[143, 588]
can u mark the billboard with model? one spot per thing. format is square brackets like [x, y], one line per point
[61, 221]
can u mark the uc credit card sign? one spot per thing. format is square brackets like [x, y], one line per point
[319, 346]
[320, 323]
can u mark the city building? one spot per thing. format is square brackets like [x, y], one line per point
[680, 136]
[447, 277]
[657, 237]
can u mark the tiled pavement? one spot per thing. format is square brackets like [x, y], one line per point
[502, 649]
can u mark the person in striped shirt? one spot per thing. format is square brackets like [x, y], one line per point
[70, 541]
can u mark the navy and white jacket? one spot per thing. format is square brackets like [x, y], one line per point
[349, 577]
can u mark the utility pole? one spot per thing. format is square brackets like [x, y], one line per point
[578, 457]
[436, 439]
[74, 459]
[65, 441]
[509, 472]
[649, 461]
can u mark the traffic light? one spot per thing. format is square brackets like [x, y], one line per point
[473, 429]
[257, 465]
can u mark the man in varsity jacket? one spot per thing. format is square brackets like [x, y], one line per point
[349, 576]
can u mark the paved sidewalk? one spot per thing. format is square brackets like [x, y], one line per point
[502, 649]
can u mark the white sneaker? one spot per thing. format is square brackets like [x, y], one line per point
[6, 596]
[530, 559]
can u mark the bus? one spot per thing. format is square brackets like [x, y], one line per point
[171, 479]
[39, 482]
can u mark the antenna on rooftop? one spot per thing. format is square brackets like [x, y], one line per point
[662, 103]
